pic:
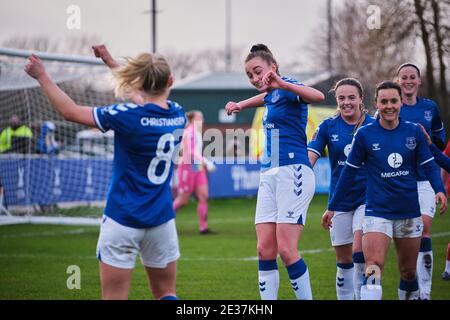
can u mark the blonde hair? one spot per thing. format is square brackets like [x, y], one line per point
[148, 73]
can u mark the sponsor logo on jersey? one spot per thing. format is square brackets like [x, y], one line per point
[394, 174]
[376, 147]
[334, 137]
[341, 163]
[428, 115]
[411, 143]
[395, 160]
[347, 149]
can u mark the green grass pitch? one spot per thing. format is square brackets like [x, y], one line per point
[34, 258]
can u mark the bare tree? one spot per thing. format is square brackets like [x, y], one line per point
[420, 12]
[370, 55]
[186, 64]
[439, 30]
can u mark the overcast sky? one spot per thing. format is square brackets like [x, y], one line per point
[183, 25]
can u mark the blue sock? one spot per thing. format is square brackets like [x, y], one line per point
[269, 279]
[408, 290]
[299, 276]
[169, 298]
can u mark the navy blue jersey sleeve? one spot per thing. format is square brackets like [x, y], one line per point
[423, 153]
[437, 128]
[345, 183]
[441, 159]
[433, 174]
[354, 162]
[426, 161]
[319, 139]
[292, 96]
[357, 155]
[116, 117]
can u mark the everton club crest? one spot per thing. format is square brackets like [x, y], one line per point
[411, 143]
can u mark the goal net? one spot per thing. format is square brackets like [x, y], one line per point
[52, 170]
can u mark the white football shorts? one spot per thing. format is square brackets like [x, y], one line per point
[427, 198]
[284, 194]
[401, 228]
[345, 224]
[118, 245]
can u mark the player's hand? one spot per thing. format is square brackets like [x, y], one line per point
[272, 80]
[442, 199]
[326, 219]
[34, 67]
[100, 51]
[427, 136]
[233, 107]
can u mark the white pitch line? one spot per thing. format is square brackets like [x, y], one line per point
[44, 233]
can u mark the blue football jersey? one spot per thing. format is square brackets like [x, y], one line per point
[284, 122]
[425, 112]
[391, 158]
[338, 135]
[145, 137]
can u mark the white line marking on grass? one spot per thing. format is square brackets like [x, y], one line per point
[43, 256]
[440, 234]
[44, 233]
[313, 251]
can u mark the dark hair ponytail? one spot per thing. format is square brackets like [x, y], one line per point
[262, 51]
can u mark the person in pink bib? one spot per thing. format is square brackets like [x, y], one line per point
[192, 170]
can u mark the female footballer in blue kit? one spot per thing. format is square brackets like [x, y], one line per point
[287, 181]
[391, 149]
[346, 235]
[425, 112]
[138, 218]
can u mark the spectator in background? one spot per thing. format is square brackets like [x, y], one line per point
[16, 137]
[47, 143]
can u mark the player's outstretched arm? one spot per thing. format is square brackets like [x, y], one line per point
[253, 102]
[58, 98]
[308, 94]
[102, 52]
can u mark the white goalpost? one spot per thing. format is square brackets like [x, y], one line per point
[52, 171]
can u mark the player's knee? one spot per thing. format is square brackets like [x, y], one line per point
[266, 251]
[287, 254]
[408, 273]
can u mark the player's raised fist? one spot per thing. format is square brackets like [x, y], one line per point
[34, 67]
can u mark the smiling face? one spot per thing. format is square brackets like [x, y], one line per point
[409, 81]
[349, 102]
[256, 68]
[388, 104]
